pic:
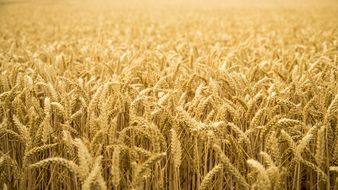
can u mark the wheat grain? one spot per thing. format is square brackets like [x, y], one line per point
[208, 178]
[176, 148]
[94, 176]
[228, 166]
[263, 181]
[115, 170]
[61, 161]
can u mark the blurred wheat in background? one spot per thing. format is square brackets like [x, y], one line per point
[168, 95]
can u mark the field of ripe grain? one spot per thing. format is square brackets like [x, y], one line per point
[170, 95]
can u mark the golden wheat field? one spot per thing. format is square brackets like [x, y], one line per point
[168, 95]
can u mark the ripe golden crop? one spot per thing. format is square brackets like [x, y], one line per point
[168, 95]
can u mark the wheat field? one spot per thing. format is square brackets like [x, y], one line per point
[191, 95]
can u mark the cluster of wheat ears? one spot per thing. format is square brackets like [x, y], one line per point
[92, 98]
